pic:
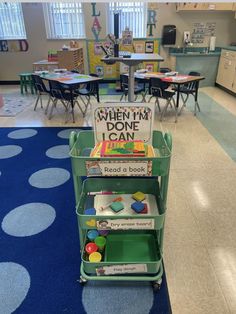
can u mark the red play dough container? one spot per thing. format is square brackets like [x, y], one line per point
[91, 247]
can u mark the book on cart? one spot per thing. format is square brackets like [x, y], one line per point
[122, 149]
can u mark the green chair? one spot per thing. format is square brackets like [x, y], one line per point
[26, 81]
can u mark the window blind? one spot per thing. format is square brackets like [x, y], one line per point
[132, 15]
[64, 20]
[11, 21]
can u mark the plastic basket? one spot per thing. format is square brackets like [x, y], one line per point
[128, 248]
[82, 143]
[130, 186]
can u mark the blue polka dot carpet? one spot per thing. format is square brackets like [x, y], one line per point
[39, 241]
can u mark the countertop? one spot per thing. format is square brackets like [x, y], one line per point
[229, 48]
[194, 54]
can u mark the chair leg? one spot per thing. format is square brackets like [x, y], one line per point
[165, 108]
[36, 103]
[78, 104]
[136, 96]
[121, 97]
[158, 104]
[144, 96]
[150, 98]
[41, 102]
[53, 106]
[176, 110]
[184, 103]
[48, 103]
[196, 106]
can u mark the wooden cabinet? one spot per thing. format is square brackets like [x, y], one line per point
[226, 75]
[45, 65]
[200, 6]
[72, 59]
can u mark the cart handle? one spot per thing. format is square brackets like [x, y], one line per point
[168, 139]
[73, 138]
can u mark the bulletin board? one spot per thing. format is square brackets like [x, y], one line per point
[107, 71]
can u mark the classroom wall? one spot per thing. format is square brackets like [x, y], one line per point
[12, 63]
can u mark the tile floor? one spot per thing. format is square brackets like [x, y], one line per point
[200, 233]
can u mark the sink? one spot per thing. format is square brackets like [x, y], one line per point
[192, 53]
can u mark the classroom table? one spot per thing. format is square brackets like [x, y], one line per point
[178, 80]
[72, 81]
[132, 61]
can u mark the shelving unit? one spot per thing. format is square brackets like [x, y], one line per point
[71, 59]
[134, 244]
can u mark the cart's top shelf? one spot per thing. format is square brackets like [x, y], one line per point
[83, 142]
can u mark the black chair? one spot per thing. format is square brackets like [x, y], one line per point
[90, 89]
[189, 89]
[159, 90]
[165, 70]
[41, 89]
[138, 90]
[59, 91]
[75, 71]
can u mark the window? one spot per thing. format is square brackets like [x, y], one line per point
[11, 21]
[64, 20]
[132, 15]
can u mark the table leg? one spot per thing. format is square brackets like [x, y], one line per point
[178, 93]
[131, 84]
[97, 91]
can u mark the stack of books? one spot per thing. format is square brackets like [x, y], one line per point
[122, 149]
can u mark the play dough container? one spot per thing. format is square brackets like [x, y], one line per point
[95, 257]
[103, 232]
[91, 247]
[92, 234]
[100, 242]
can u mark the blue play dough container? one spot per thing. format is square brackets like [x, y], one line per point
[92, 234]
[90, 211]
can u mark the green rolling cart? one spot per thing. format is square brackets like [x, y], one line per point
[134, 244]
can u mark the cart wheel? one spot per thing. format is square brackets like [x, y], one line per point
[156, 285]
[82, 281]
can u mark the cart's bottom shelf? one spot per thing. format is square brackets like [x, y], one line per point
[127, 253]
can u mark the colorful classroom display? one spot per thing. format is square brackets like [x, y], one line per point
[113, 71]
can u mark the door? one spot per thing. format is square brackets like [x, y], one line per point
[234, 82]
[226, 73]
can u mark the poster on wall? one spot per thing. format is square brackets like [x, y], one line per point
[97, 49]
[99, 70]
[109, 70]
[124, 68]
[150, 67]
[139, 47]
[127, 38]
[117, 121]
[210, 29]
[149, 46]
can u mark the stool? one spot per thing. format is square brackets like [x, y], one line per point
[26, 80]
